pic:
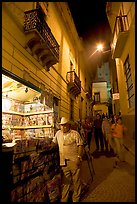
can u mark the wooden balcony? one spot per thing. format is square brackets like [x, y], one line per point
[120, 35]
[73, 83]
[89, 94]
[40, 39]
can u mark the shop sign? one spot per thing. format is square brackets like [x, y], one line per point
[115, 96]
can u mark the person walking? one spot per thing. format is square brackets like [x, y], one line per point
[98, 133]
[70, 150]
[88, 128]
[118, 132]
[106, 130]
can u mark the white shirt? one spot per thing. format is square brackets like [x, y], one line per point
[68, 145]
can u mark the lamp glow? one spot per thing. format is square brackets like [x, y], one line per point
[100, 47]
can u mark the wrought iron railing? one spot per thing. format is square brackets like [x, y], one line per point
[89, 94]
[34, 20]
[121, 25]
[73, 82]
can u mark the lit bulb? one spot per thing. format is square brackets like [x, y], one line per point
[100, 47]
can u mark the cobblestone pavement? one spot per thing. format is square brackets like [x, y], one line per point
[109, 184]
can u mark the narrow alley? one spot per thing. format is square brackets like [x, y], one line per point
[109, 184]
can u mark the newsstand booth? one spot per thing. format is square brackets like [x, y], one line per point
[30, 165]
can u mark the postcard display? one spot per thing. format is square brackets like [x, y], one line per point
[28, 129]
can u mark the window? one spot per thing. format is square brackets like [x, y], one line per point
[97, 97]
[130, 89]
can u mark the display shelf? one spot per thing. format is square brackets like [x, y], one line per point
[13, 113]
[25, 154]
[27, 114]
[38, 113]
[34, 162]
[49, 151]
[22, 155]
[30, 127]
[45, 166]
[25, 180]
[22, 158]
[6, 127]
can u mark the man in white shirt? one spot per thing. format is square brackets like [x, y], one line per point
[70, 149]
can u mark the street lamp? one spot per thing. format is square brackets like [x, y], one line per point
[99, 49]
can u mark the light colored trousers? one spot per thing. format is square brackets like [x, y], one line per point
[71, 175]
[118, 148]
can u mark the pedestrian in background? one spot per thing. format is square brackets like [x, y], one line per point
[88, 128]
[111, 119]
[113, 122]
[115, 118]
[98, 133]
[103, 116]
[118, 132]
[106, 130]
[71, 150]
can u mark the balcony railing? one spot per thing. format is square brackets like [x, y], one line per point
[120, 35]
[89, 94]
[40, 38]
[74, 83]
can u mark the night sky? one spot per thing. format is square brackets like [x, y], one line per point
[91, 21]
[92, 26]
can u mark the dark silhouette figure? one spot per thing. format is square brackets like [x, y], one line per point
[98, 133]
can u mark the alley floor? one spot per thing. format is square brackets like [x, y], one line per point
[109, 184]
